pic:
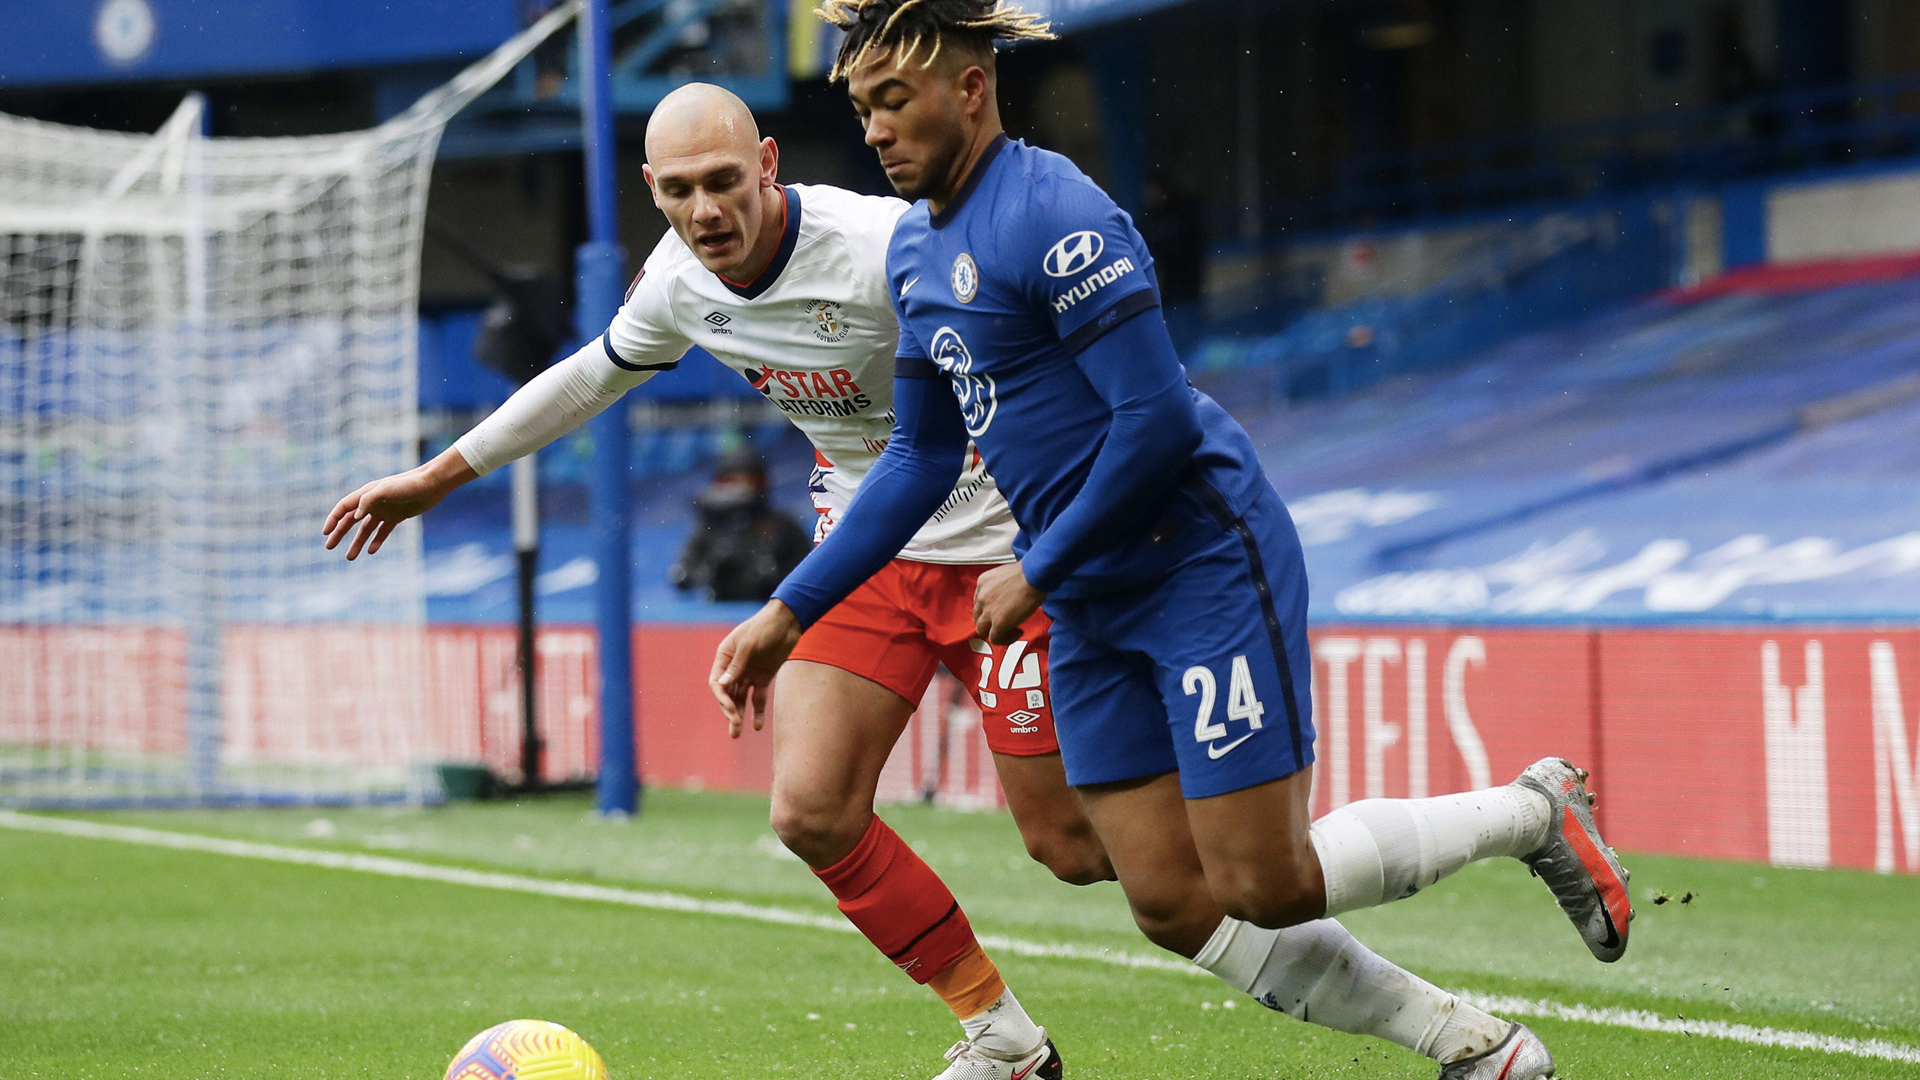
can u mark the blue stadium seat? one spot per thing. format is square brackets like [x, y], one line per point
[1674, 434]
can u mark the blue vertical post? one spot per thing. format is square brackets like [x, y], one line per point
[1743, 225]
[1120, 77]
[601, 266]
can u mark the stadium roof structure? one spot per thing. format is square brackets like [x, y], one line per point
[131, 41]
[767, 45]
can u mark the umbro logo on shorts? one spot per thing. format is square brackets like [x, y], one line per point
[1022, 722]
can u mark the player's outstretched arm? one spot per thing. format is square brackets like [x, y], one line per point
[913, 477]
[377, 507]
[555, 402]
[1154, 431]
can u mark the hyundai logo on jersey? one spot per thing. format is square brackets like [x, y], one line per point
[1092, 283]
[1074, 253]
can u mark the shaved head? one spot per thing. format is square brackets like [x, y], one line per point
[713, 176]
[701, 118]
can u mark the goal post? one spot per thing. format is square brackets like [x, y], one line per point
[205, 342]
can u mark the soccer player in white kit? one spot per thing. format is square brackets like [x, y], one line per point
[787, 285]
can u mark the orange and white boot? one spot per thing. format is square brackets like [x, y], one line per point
[1576, 864]
[1519, 1056]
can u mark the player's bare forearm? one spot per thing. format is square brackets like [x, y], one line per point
[448, 470]
[745, 663]
[1003, 599]
[381, 505]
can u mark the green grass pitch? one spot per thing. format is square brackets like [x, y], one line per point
[119, 960]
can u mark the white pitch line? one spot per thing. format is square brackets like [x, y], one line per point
[1712, 1029]
[453, 875]
[1639, 1020]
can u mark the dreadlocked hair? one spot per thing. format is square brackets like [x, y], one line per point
[904, 27]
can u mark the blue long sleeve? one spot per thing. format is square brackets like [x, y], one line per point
[913, 476]
[1154, 432]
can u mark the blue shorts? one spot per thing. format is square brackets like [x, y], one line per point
[1205, 672]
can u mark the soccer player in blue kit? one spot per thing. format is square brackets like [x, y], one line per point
[1030, 324]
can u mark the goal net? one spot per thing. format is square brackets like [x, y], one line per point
[204, 342]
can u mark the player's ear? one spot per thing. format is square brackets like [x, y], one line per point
[769, 161]
[646, 171]
[975, 85]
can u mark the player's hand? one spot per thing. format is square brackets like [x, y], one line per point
[744, 664]
[378, 506]
[1002, 600]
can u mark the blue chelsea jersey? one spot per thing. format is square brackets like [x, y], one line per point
[1029, 265]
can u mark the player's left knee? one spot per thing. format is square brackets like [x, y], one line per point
[819, 830]
[1270, 900]
[1076, 857]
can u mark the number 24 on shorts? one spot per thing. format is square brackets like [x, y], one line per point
[1242, 704]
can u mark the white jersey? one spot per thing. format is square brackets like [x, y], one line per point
[816, 334]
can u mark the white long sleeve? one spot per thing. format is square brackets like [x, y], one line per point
[555, 402]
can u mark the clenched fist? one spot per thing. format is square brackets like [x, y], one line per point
[1002, 600]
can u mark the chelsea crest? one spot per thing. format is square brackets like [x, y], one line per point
[966, 278]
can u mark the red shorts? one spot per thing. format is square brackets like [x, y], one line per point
[913, 616]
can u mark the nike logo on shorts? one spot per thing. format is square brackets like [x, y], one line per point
[1217, 752]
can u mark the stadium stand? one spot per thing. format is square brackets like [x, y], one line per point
[1659, 426]
[1618, 466]
[469, 548]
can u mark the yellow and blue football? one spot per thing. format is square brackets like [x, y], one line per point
[527, 1050]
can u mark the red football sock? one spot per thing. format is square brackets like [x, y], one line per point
[903, 907]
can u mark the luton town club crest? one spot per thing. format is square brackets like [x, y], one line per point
[827, 323]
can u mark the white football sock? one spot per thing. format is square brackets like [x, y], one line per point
[1319, 973]
[1378, 850]
[1004, 1027]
